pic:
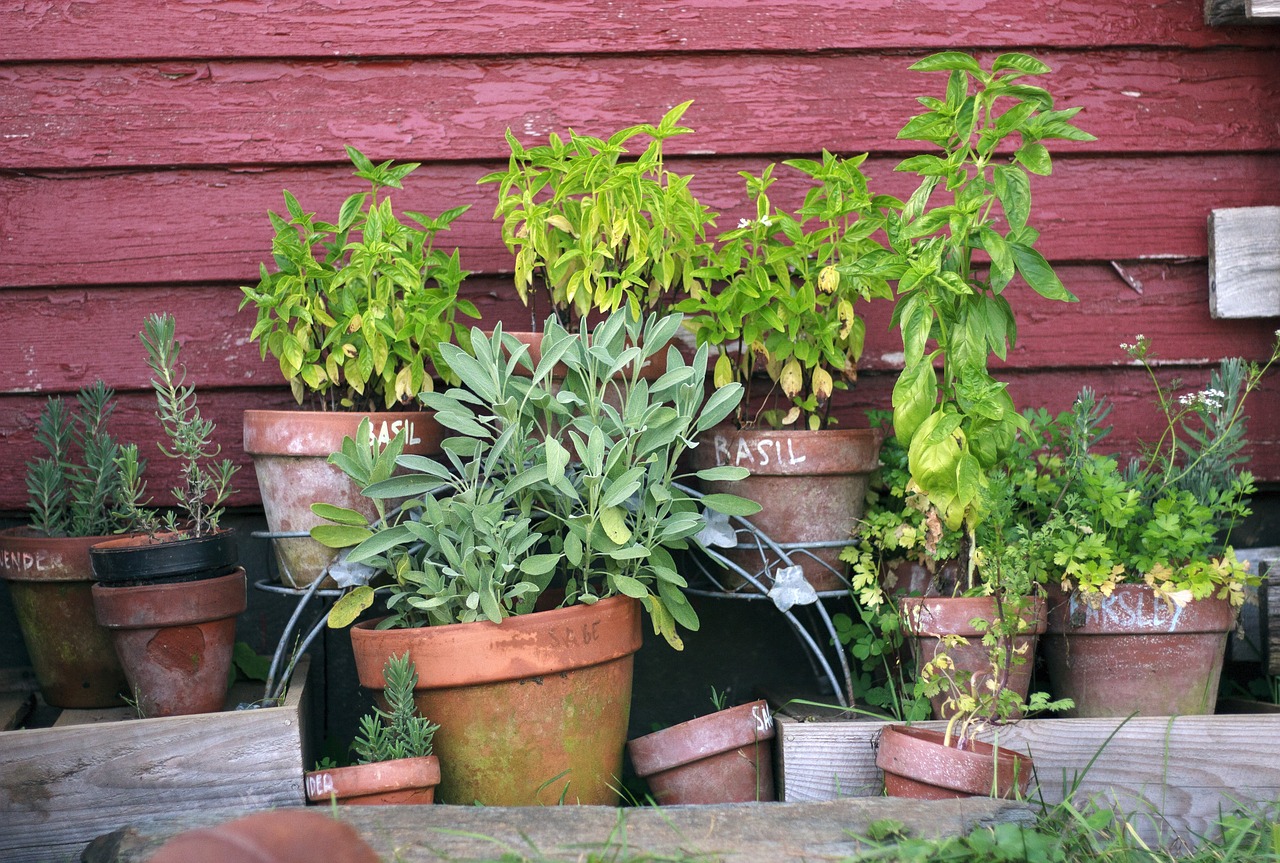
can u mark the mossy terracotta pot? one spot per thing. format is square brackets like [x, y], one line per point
[724, 757]
[174, 640]
[812, 486]
[291, 450]
[49, 582]
[928, 620]
[1132, 652]
[531, 711]
[403, 780]
[917, 764]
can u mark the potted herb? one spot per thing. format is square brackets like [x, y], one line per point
[394, 763]
[1150, 583]
[594, 227]
[958, 422]
[355, 312]
[76, 500]
[722, 757]
[170, 595]
[786, 308]
[527, 551]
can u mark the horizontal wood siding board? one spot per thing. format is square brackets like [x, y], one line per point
[1187, 770]
[72, 336]
[141, 227]
[1134, 419]
[247, 112]
[290, 28]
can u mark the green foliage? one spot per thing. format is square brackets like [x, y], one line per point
[1166, 518]
[573, 481]
[360, 327]
[786, 304]
[75, 490]
[204, 485]
[399, 731]
[719, 699]
[960, 425]
[597, 231]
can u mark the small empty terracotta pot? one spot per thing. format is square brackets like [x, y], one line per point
[918, 765]
[404, 780]
[726, 757]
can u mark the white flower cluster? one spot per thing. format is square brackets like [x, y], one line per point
[1212, 399]
[1138, 343]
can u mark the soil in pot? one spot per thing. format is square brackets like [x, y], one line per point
[290, 451]
[812, 486]
[163, 559]
[1134, 653]
[49, 583]
[917, 764]
[531, 711]
[403, 780]
[724, 757]
[927, 620]
[174, 640]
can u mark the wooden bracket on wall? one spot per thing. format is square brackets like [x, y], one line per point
[1244, 262]
[1218, 13]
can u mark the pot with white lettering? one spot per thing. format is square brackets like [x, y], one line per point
[1134, 652]
[811, 485]
[49, 582]
[291, 450]
[723, 757]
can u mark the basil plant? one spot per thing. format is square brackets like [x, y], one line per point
[571, 482]
[956, 420]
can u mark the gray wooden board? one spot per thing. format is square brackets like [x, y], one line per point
[1218, 13]
[734, 833]
[1271, 607]
[60, 787]
[1188, 769]
[1244, 262]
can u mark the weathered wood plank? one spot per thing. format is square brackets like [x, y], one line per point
[1186, 769]
[291, 28]
[1244, 262]
[135, 228]
[1221, 13]
[72, 336]
[1270, 597]
[254, 111]
[1266, 11]
[61, 787]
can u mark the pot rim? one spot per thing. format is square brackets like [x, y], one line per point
[712, 734]
[824, 452]
[937, 616]
[1134, 609]
[522, 646]
[306, 433]
[191, 602]
[379, 777]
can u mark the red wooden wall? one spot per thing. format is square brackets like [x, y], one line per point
[141, 144]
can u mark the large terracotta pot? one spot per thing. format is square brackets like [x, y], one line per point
[49, 582]
[927, 620]
[531, 711]
[1133, 653]
[290, 451]
[812, 486]
[174, 640]
[724, 757]
[403, 780]
[917, 764]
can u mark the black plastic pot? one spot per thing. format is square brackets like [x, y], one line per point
[163, 559]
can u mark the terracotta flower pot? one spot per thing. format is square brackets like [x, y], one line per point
[49, 582]
[163, 559]
[918, 765]
[927, 620]
[404, 780]
[812, 485]
[174, 640]
[290, 451]
[530, 710]
[280, 836]
[1133, 653]
[724, 757]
